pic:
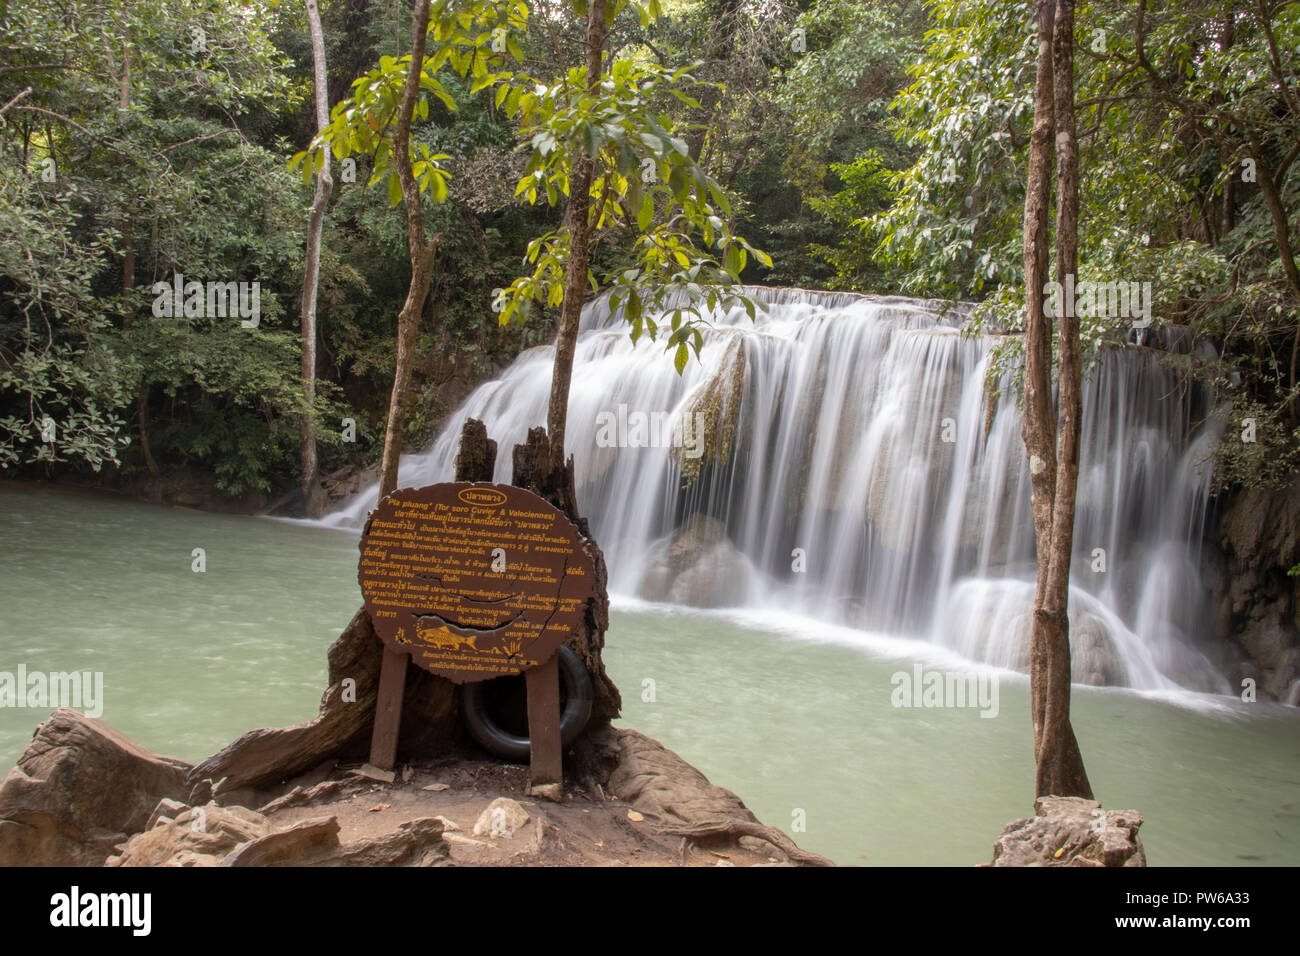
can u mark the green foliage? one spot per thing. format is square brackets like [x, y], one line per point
[128, 142]
[681, 251]
[954, 227]
[53, 368]
[474, 39]
[867, 190]
[889, 156]
[837, 94]
[1170, 102]
[1258, 448]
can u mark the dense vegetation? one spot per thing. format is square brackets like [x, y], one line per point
[878, 145]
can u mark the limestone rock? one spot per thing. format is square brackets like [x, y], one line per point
[414, 843]
[502, 817]
[167, 809]
[548, 791]
[1071, 831]
[304, 844]
[697, 565]
[235, 836]
[1094, 659]
[79, 789]
[199, 836]
[1256, 599]
[1261, 526]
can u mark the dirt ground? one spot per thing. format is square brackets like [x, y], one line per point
[585, 829]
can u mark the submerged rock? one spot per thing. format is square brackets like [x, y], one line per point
[697, 565]
[1071, 831]
[79, 789]
[1094, 658]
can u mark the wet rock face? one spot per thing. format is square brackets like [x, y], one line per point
[1094, 658]
[1262, 526]
[1071, 831]
[697, 565]
[1256, 602]
[56, 808]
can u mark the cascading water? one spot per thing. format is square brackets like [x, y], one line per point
[854, 468]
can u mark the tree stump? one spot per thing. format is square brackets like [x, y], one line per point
[267, 757]
[532, 472]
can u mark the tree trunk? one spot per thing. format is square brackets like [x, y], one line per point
[128, 233]
[342, 729]
[1060, 765]
[142, 420]
[532, 471]
[394, 673]
[128, 283]
[313, 498]
[722, 25]
[539, 465]
[422, 254]
[1038, 427]
[575, 274]
[1053, 470]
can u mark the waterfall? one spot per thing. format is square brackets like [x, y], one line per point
[854, 468]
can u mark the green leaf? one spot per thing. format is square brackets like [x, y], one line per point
[646, 213]
[734, 260]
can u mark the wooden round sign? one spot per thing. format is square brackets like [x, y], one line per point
[474, 580]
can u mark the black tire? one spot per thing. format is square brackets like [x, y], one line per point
[575, 686]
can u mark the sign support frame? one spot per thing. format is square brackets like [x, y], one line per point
[541, 680]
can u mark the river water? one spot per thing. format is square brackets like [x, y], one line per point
[794, 714]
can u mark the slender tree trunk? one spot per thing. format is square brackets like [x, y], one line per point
[142, 421]
[422, 254]
[128, 233]
[1038, 426]
[128, 283]
[313, 499]
[1053, 457]
[392, 675]
[575, 276]
[1060, 768]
